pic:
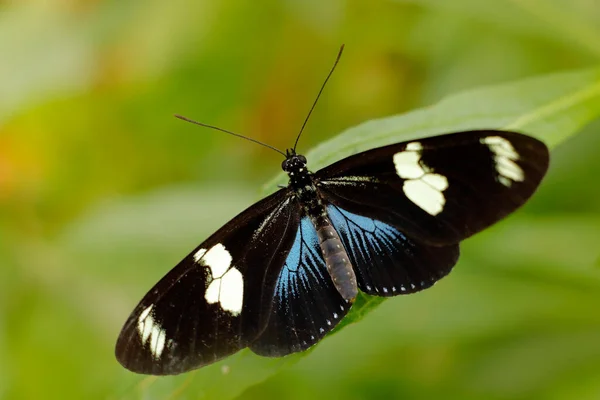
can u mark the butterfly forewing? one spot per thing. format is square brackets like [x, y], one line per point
[217, 299]
[439, 190]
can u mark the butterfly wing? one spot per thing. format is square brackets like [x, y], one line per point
[386, 261]
[217, 299]
[306, 304]
[439, 190]
[401, 210]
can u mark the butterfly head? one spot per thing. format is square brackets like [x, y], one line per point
[294, 164]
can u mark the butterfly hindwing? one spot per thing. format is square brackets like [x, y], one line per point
[306, 304]
[386, 261]
[217, 299]
[439, 190]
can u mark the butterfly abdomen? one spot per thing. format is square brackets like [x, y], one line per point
[337, 261]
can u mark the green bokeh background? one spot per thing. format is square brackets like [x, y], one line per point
[102, 191]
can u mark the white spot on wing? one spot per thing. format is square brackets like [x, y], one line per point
[505, 157]
[228, 291]
[226, 285]
[145, 324]
[509, 169]
[218, 259]
[436, 181]
[152, 331]
[425, 196]
[145, 313]
[407, 164]
[157, 343]
[212, 291]
[504, 181]
[414, 146]
[199, 254]
[501, 147]
[421, 186]
[231, 295]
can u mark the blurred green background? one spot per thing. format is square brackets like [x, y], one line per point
[102, 191]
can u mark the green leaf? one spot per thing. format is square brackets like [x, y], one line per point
[537, 248]
[551, 108]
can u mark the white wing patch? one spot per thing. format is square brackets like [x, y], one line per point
[505, 156]
[232, 291]
[421, 186]
[226, 285]
[407, 164]
[218, 259]
[150, 329]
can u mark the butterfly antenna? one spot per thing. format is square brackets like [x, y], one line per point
[231, 133]
[319, 95]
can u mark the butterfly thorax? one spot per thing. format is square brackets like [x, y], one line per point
[336, 259]
[302, 183]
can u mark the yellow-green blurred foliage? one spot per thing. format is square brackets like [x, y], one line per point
[102, 191]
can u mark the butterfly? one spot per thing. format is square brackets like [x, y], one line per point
[283, 273]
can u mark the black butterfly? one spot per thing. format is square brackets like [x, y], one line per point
[283, 273]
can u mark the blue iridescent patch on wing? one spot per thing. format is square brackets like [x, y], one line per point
[386, 261]
[306, 305]
[304, 262]
[365, 232]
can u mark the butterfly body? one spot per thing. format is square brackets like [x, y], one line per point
[306, 194]
[283, 273]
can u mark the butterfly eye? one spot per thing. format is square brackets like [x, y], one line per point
[284, 164]
[302, 159]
